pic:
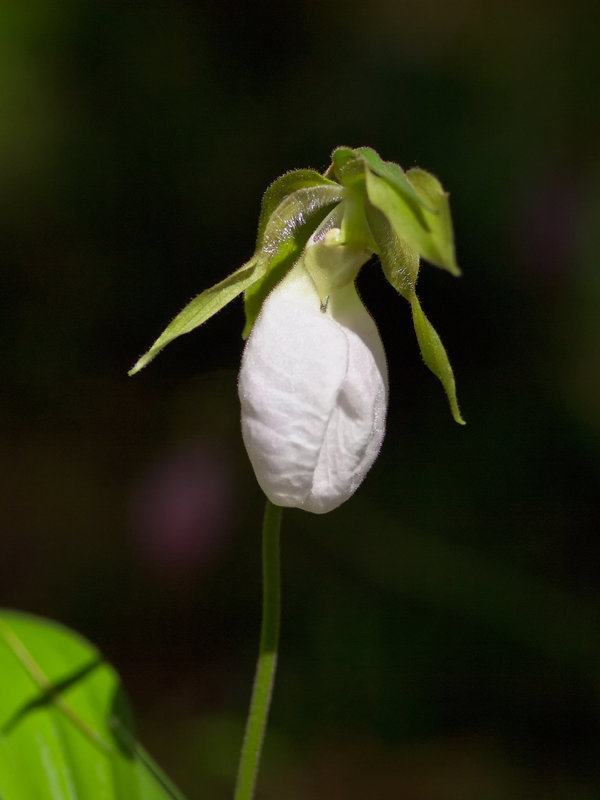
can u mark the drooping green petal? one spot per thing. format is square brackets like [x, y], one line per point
[400, 265]
[280, 189]
[400, 262]
[434, 355]
[201, 308]
[438, 219]
[65, 728]
[286, 233]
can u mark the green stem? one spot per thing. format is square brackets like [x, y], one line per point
[267, 656]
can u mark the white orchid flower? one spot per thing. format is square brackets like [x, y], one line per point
[313, 384]
[313, 381]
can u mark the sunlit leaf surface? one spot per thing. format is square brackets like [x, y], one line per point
[65, 728]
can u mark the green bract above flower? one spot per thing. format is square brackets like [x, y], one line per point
[313, 384]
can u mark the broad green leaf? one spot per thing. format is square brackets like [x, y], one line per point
[400, 262]
[201, 308]
[439, 222]
[65, 728]
[288, 229]
[434, 355]
[411, 223]
[280, 189]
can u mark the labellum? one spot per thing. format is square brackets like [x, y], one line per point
[313, 391]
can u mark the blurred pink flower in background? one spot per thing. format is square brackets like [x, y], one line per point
[181, 511]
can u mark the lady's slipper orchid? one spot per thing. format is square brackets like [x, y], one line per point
[313, 381]
[313, 391]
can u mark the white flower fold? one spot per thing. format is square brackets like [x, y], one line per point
[313, 390]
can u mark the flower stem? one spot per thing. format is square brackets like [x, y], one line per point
[267, 656]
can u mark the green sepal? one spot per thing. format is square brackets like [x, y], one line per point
[412, 223]
[201, 308]
[414, 202]
[434, 355]
[400, 263]
[349, 167]
[288, 229]
[65, 726]
[438, 218]
[394, 175]
[280, 189]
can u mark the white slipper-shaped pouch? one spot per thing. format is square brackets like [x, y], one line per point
[313, 390]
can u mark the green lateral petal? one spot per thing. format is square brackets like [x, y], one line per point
[201, 308]
[283, 236]
[439, 221]
[288, 229]
[280, 189]
[65, 727]
[434, 355]
[400, 265]
[400, 262]
[412, 223]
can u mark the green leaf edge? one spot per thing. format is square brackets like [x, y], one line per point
[19, 649]
[16, 645]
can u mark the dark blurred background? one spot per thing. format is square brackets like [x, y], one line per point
[440, 636]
